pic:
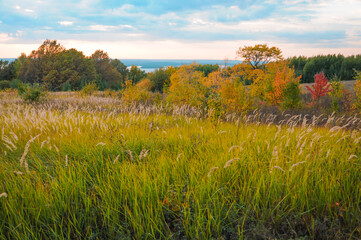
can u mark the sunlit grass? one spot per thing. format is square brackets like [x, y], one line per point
[96, 172]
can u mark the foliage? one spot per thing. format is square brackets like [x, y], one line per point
[357, 88]
[215, 108]
[4, 84]
[32, 93]
[66, 87]
[259, 54]
[235, 98]
[120, 67]
[159, 78]
[320, 88]
[336, 93]
[15, 83]
[270, 85]
[135, 94]
[145, 84]
[330, 64]
[207, 68]
[135, 74]
[89, 89]
[109, 72]
[291, 96]
[7, 70]
[186, 87]
[52, 65]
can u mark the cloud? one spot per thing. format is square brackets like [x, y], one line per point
[321, 24]
[66, 23]
[4, 37]
[108, 27]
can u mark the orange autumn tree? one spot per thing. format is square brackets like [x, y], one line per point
[270, 85]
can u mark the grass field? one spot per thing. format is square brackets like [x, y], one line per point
[90, 168]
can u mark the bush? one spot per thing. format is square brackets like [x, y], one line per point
[357, 87]
[89, 89]
[291, 96]
[235, 98]
[186, 87]
[32, 93]
[15, 84]
[4, 84]
[337, 93]
[133, 94]
[66, 87]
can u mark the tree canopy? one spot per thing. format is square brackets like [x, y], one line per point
[259, 54]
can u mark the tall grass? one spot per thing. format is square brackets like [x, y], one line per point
[98, 172]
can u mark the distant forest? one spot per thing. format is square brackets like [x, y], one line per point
[60, 69]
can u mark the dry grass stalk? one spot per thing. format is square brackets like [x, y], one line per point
[3, 195]
[277, 168]
[229, 162]
[26, 150]
[210, 171]
[116, 159]
[296, 164]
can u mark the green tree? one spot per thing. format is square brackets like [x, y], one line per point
[110, 76]
[207, 68]
[136, 74]
[52, 65]
[120, 67]
[7, 70]
[159, 78]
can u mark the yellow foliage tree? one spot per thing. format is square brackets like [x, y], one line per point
[234, 97]
[133, 94]
[186, 86]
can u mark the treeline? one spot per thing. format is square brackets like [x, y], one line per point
[334, 66]
[59, 69]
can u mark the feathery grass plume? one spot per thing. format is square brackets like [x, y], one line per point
[143, 154]
[211, 170]
[22, 159]
[3, 195]
[66, 160]
[229, 162]
[130, 153]
[296, 164]
[101, 144]
[116, 159]
[357, 140]
[352, 156]
[56, 148]
[42, 144]
[233, 147]
[179, 156]
[328, 153]
[8, 141]
[277, 168]
[275, 152]
[18, 172]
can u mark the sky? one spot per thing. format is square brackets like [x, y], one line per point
[181, 29]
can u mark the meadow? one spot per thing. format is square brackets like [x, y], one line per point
[93, 168]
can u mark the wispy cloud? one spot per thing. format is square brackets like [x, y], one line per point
[66, 23]
[108, 27]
